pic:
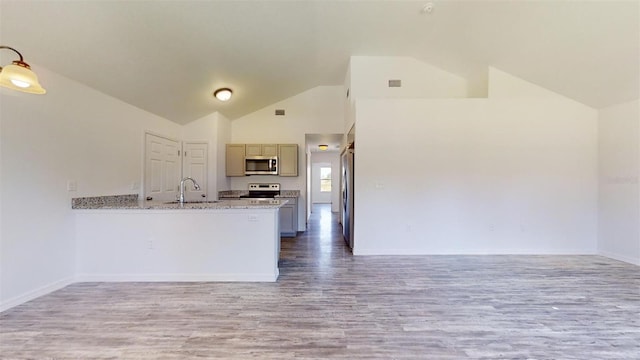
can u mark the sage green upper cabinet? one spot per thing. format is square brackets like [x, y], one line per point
[288, 159]
[261, 149]
[235, 159]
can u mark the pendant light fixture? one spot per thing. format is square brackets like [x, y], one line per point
[18, 75]
[223, 94]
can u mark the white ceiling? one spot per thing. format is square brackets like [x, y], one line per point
[167, 57]
[333, 141]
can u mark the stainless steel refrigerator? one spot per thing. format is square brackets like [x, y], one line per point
[347, 196]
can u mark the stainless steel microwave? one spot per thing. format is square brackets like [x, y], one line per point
[261, 165]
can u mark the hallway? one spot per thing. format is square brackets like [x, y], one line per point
[328, 304]
[319, 249]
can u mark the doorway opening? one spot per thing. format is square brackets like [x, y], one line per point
[323, 171]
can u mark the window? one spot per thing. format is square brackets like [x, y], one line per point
[325, 179]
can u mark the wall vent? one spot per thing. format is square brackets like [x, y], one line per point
[280, 112]
[395, 83]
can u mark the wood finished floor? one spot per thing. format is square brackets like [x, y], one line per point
[328, 304]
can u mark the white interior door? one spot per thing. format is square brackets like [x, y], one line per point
[195, 166]
[162, 168]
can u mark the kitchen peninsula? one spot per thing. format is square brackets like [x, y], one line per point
[121, 238]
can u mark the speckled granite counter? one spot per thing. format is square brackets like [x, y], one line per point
[236, 194]
[132, 202]
[232, 194]
[289, 194]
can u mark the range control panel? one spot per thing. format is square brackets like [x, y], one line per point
[262, 187]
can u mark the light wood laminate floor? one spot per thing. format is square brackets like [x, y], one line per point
[328, 304]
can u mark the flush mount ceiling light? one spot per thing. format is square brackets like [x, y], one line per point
[323, 147]
[223, 94]
[18, 76]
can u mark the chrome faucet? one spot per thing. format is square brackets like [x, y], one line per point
[195, 186]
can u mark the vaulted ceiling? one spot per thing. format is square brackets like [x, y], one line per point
[167, 57]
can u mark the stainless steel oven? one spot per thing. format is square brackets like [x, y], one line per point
[262, 191]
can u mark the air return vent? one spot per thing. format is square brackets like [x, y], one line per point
[279, 112]
[395, 83]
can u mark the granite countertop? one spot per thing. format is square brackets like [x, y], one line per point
[131, 202]
[236, 194]
[232, 194]
[289, 194]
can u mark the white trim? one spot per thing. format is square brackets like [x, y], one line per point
[423, 252]
[239, 277]
[47, 289]
[619, 257]
[151, 132]
[33, 294]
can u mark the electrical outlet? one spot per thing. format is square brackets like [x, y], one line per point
[72, 185]
[150, 244]
[253, 218]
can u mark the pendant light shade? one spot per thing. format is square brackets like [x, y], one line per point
[18, 76]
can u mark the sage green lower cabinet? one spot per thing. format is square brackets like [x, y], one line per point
[289, 218]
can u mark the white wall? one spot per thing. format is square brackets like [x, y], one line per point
[316, 111]
[619, 194]
[370, 77]
[71, 133]
[223, 138]
[177, 245]
[503, 85]
[331, 159]
[475, 176]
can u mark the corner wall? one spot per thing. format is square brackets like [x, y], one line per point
[73, 133]
[619, 192]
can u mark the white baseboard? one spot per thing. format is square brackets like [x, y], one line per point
[260, 277]
[424, 252]
[44, 290]
[619, 257]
